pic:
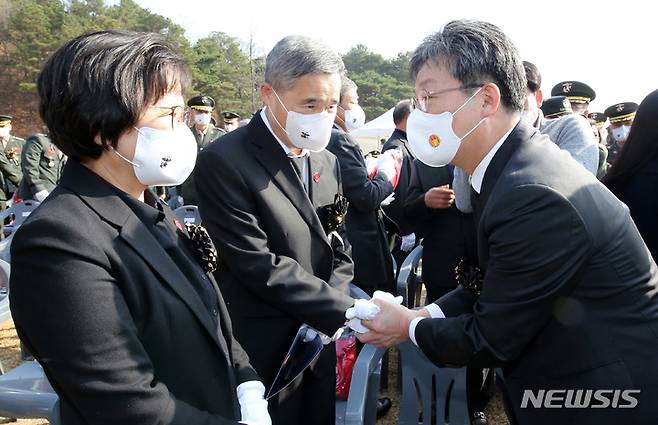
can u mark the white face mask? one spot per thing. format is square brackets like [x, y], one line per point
[163, 157]
[432, 138]
[230, 127]
[307, 131]
[202, 119]
[354, 118]
[4, 132]
[620, 134]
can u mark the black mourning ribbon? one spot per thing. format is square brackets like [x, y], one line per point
[202, 247]
[469, 276]
[333, 215]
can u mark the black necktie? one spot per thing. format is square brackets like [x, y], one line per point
[297, 163]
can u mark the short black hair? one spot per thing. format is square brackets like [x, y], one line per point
[533, 76]
[475, 52]
[99, 84]
[401, 111]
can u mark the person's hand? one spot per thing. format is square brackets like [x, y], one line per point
[41, 195]
[391, 325]
[439, 197]
[253, 406]
[390, 198]
[408, 242]
[390, 164]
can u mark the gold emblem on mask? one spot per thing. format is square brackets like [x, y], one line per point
[434, 140]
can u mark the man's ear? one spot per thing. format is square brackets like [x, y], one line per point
[266, 93]
[539, 96]
[491, 99]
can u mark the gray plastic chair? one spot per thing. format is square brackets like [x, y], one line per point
[5, 245]
[431, 395]
[361, 405]
[409, 278]
[19, 213]
[5, 312]
[26, 393]
[188, 214]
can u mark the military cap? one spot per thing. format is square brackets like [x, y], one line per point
[556, 106]
[575, 91]
[5, 119]
[597, 117]
[620, 112]
[202, 102]
[230, 116]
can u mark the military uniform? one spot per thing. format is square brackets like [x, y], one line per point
[10, 161]
[620, 114]
[187, 190]
[42, 163]
[577, 93]
[231, 120]
[555, 107]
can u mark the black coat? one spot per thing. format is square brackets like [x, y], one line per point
[395, 210]
[639, 193]
[373, 268]
[280, 270]
[569, 294]
[448, 234]
[121, 333]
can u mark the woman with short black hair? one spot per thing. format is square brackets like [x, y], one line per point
[109, 291]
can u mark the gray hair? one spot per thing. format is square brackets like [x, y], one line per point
[475, 53]
[346, 85]
[295, 56]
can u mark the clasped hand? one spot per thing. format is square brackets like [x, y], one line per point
[382, 321]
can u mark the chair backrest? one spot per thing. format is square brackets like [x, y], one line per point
[5, 312]
[188, 214]
[26, 393]
[364, 390]
[358, 293]
[430, 394]
[20, 211]
[5, 245]
[409, 278]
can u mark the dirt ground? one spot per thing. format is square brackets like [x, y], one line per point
[10, 357]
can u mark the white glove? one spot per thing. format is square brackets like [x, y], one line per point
[390, 198]
[41, 195]
[253, 406]
[368, 310]
[408, 242]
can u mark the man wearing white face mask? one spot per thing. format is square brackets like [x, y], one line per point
[270, 195]
[373, 268]
[566, 296]
[621, 117]
[205, 133]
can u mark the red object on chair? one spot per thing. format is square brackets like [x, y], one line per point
[345, 360]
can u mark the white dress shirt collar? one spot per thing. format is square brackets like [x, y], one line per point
[285, 148]
[478, 175]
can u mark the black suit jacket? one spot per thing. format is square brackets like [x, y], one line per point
[280, 269]
[373, 268]
[569, 298]
[639, 193]
[395, 210]
[122, 337]
[448, 234]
